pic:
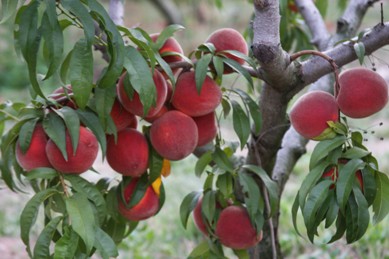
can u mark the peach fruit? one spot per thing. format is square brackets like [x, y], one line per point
[35, 156]
[77, 162]
[170, 45]
[130, 155]
[362, 93]
[147, 207]
[174, 135]
[234, 228]
[161, 112]
[187, 99]
[121, 117]
[207, 128]
[60, 95]
[229, 39]
[198, 218]
[312, 111]
[134, 105]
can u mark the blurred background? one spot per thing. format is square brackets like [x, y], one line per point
[163, 235]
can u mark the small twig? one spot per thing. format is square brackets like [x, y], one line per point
[328, 58]
[382, 14]
[65, 189]
[267, 204]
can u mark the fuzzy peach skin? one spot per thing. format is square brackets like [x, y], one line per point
[362, 93]
[207, 128]
[174, 135]
[310, 113]
[170, 45]
[147, 207]
[229, 39]
[122, 118]
[134, 105]
[35, 155]
[83, 158]
[187, 99]
[130, 155]
[198, 218]
[234, 228]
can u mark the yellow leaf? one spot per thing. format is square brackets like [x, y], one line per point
[165, 171]
[157, 185]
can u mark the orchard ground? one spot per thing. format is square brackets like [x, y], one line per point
[163, 236]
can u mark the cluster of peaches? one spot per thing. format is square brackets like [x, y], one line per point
[362, 93]
[179, 121]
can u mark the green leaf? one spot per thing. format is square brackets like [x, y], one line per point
[140, 77]
[359, 49]
[91, 192]
[55, 129]
[222, 161]
[81, 72]
[25, 134]
[28, 38]
[355, 152]
[359, 216]
[241, 123]
[41, 173]
[381, 202]
[340, 228]
[323, 148]
[187, 206]
[295, 208]
[52, 34]
[66, 246]
[42, 246]
[166, 68]
[219, 68]
[315, 200]
[30, 212]
[226, 107]
[81, 12]
[167, 33]
[105, 245]
[251, 193]
[64, 70]
[201, 70]
[242, 254]
[208, 205]
[82, 218]
[89, 119]
[200, 251]
[255, 112]
[72, 123]
[322, 5]
[271, 185]
[8, 8]
[369, 184]
[240, 70]
[225, 183]
[333, 210]
[345, 181]
[155, 164]
[203, 162]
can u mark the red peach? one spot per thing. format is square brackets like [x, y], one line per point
[61, 94]
[198, 218]
[362, 92]
[187, 99]
[312, 111]
[207, 128]
[147, 207]
[35, 156]
[130, 155]
[134, 105]
[170, 45]
[174, 135]
[78, 162]
[161, 112]
[234, 228]
[121, 117]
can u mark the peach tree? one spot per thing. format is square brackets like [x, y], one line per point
[152, 104]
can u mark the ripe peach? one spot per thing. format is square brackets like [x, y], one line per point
[170, 45]
[362, 92]
[234, 228]
[229, 39]
[60, 94]
[34, 157]
[161, 112]
[187, 99]
[121, 117]
[207, 128]
[148, 206]
[130, 155]
[134, 105]
[77, 162]
[310, 113]
[174, 135]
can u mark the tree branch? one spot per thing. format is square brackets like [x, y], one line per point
[169, 11]
[116, 11]
[315, 23]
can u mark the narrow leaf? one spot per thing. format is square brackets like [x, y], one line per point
[55, 129]
[241, 123]
[66, 246]
[202, 163]
[323, 148]
[381, 202]
[359, 49]
[187, 206]
[25, 134]
[222, 160]
[105, 245]
[42, 246]
[201, 70]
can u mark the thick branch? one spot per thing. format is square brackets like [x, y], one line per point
[315, 23]
[116, 11]
[169, 11]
